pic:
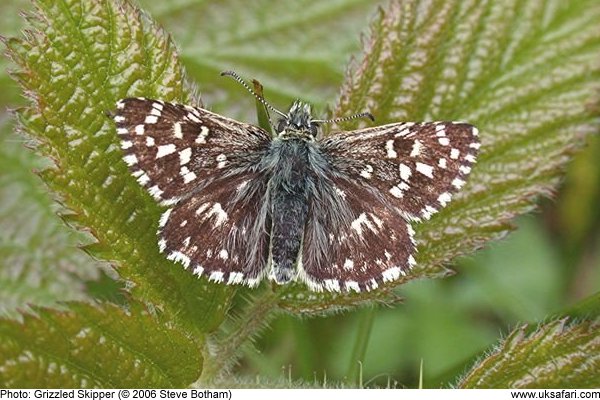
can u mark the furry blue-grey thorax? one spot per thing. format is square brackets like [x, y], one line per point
[298, 123]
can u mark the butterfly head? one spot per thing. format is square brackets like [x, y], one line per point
[297, 123]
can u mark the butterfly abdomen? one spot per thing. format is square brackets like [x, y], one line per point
[289, 197]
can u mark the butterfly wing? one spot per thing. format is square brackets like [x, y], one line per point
[174, 150]
[354, 239]
[358, 235]
[205, 166]
[418, 166]
[221, 232]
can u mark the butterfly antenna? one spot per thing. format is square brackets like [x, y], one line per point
[342, 119]
[260, 98]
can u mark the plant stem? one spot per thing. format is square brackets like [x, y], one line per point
[252, 320]
[365, 326]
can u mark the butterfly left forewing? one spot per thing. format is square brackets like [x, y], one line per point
[174, 149]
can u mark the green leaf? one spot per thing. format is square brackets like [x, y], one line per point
[76, 61]
[39, 262]
[557, 355]
[90, 346]
[296, 49]
[524, 73]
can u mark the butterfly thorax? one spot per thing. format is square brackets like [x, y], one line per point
[298, 123]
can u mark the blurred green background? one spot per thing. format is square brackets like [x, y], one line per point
[551, 261]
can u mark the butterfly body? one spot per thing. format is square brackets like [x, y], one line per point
[332, 212]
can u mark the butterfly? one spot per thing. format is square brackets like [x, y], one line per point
[334, 212]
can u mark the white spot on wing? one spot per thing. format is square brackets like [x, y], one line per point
[442, 163]
[458, 183]
[155, 192]
[202, 208]
[352, 285]
[416, 149]
[411, 261]
[348, 264]
[192, 116]
[223, 254]
[177, 132]
[389, 146]
[198, 270]
[362, 220]
[222, 160]
[139, 129]
[165, 150]
[444, 198]
[143, 179]
[179, 257]
[377, 221]
[391, 274]
[235, 278]
[130, 159]
[202, 135]
[405, 172]
[119, 118]
[428, 212]
[367, 172]
[151, 119]
[149, 141]
[216, 276]
[333, 285]
[164, 218]
[444, 141]
[126, 144]
[425, 169]
[185, 155]
[454, 153]
[252, 282]
[219, 213]
[188, 176]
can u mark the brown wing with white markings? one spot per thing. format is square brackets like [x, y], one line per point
[418, 165]
[174, 149]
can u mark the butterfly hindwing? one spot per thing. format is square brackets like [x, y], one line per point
[221, 232]
[366, 244]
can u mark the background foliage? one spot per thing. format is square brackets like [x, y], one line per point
[524, 72]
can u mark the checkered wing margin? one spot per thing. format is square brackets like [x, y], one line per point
[418, 166]
[174, 150]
